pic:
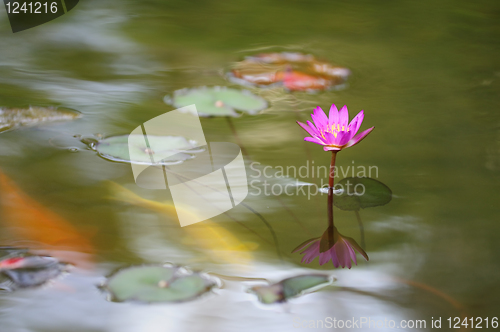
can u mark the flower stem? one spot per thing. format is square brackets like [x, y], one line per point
[331, 224]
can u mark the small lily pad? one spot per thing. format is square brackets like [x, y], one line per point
[155, 284]
[361, 193]
[294, 71]
[291, 287]
[218, 101]
[29, 271]
[116, 148]
[11, 118]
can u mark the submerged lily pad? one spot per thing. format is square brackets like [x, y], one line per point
[291, 287]
[361, 193]
[11, 118]
[153, 284]
[218, 101]
[294, 71]
[116, 148]
[29, 271]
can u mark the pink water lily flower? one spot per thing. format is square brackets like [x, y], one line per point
[341, 253]
[334, 132]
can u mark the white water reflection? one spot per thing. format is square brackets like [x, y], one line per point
[75, 301]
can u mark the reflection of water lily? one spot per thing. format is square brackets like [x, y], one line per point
[341, 253]
[334, 132]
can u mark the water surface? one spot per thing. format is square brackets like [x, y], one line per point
[426, 74]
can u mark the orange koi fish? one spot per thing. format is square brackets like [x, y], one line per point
[30, 222]
[214, 239]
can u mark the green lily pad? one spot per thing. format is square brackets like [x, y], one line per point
[291, 287]
[156, 284]
[218, 101]
[116, 148]
[11, 118]
[368, 193]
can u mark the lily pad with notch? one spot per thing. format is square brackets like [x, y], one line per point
[117, 148]
[157, 284]
[290, 287]
[374, 193]
[218, 101]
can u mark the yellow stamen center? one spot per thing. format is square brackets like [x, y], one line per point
[334, 130]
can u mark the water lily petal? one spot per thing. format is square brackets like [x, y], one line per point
[330, 139]
[352, 253]
[342, 253]
[304, 244]
[308, 257]
[321, 114]
[313, 128]
[356, 246]
[356, 139]
[334, 115]
[331, 148]
[310, 253]
[335, 260]
[356, 122]
[319, 118]
[343, 117]
[314, 140]
[307, 128]
[324, 257]
[343, 137]
[347, 254]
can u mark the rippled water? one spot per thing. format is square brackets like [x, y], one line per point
[426, 74]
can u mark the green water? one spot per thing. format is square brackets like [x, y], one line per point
[426, 75]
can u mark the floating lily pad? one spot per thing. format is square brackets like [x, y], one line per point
[294, 71]
[11, 118]
[116, 148]
[361, 193]
[153, 284]
[218, 101]
[29, 271]
[291, 287]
